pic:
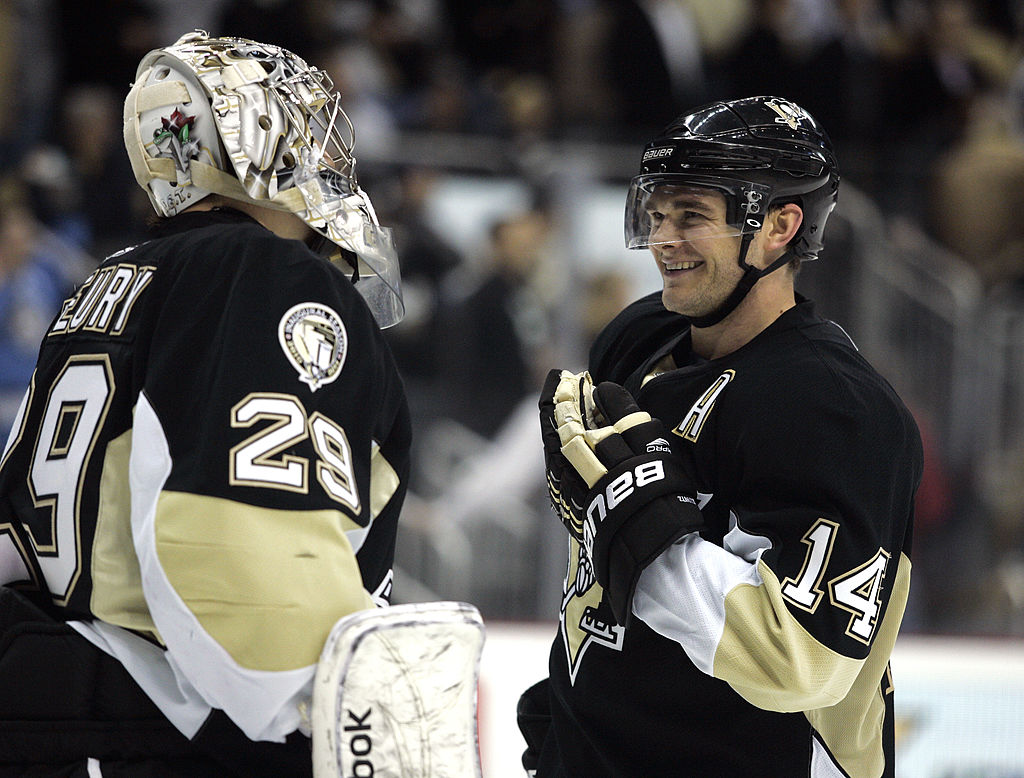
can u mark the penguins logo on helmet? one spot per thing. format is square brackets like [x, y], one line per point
[788, 113]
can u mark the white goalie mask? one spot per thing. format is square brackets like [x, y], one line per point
[254, 122]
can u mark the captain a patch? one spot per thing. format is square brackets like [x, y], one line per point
[315, 342]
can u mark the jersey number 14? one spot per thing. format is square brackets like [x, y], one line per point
[857, 591]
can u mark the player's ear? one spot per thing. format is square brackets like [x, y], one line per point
[780, 225]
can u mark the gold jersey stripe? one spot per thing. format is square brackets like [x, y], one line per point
[266, 584]
[770, 659]
[384, 482]
[853, 729]
[116, 580]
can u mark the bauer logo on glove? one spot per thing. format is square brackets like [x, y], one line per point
[617, 491]
[634, 482]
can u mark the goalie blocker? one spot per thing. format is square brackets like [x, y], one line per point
[395, 694]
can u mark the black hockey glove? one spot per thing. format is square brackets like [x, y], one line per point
[566, 488]
[533, 714]
[640, 499]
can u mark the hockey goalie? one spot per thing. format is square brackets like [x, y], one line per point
[207, 469]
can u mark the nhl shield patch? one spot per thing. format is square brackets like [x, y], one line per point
[315, 342]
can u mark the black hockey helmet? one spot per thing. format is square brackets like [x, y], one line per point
[759, 151]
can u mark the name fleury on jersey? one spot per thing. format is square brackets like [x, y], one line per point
[104, 301]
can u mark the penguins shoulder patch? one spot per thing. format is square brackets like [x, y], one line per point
[315, 342]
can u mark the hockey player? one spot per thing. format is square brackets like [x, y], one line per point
[206, 471]
[738, 485]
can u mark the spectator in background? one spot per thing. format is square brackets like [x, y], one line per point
[31, 290]
[976, 193]
[101, 41]
[528, 108]
[495, 336]
[983, 594]
[892, 79]
[495, 35]
[605, 293]
[947, 56]
[451, 99]
[91, 139]
[364, 77]
[427, 260]
[53, 190]
[85, 156]
[8, 80]
[29, 66]
[408, 35]
[302, 26]
[788, 42]
[612, 78]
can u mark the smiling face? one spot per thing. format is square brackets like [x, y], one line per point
[695, 247]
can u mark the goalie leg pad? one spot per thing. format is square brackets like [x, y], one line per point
[394, 694]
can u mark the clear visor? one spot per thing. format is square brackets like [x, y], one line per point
[663, 210]
[380, 278]
[347, 220]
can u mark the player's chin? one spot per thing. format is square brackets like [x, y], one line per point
[687, 300]
[676, 301]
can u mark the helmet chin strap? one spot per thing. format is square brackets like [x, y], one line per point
[750, 276]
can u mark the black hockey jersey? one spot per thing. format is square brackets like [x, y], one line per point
[761, 646]
[207, 469]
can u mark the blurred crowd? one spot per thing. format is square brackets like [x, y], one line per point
[924, 100]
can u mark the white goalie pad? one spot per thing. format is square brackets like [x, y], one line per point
[395, 694]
